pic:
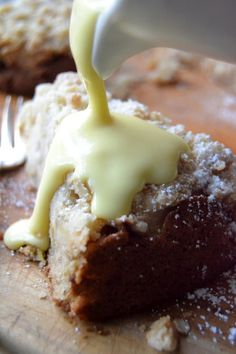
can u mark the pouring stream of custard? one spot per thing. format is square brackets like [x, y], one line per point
[115, 155]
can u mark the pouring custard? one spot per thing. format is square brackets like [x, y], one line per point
[115, 155]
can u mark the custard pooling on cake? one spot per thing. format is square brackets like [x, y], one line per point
[114, 154]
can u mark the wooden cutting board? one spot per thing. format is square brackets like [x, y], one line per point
[31, 323]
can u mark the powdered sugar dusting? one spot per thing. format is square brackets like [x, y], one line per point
[209, 311]
[232, 335]
[218, 305]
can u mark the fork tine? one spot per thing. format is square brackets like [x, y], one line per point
[12, 147]
[7, 124]
[19, 104]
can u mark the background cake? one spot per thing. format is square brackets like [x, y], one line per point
[34, 45]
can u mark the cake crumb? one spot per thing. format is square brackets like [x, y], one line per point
[182, 326]
[163, 335]
[43, 296]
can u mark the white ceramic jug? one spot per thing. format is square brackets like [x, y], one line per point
[127, 27]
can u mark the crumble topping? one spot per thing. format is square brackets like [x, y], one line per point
[210, 166]
[33, 25]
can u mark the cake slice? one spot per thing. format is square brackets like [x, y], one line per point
[177, 237]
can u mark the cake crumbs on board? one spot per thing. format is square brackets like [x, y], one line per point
[163, 335]
[207, 312]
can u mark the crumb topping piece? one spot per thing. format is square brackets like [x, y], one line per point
[163, 335]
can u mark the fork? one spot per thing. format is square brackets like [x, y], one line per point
[12, 147]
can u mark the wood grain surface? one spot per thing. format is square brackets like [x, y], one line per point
[31, 323]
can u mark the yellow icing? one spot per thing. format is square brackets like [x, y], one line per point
[116, 155]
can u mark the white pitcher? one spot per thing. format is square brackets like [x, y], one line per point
[127, 27]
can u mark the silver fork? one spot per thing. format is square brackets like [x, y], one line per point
[12, 147]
